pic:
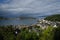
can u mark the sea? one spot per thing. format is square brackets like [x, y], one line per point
[20, 22]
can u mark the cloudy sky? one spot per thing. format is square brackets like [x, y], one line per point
[30, 6]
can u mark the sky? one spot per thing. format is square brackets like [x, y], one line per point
[45, 7]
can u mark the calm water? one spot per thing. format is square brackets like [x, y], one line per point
[17, 22]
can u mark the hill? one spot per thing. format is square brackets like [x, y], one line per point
[27, 18]
[2, 18]
[55, 17]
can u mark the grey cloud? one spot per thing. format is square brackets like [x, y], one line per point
[32, 6]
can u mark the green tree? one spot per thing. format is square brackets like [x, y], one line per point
[57, 33]
[48, 34]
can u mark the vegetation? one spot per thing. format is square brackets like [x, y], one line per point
[57, 33]
[55, 17]
[50, 33]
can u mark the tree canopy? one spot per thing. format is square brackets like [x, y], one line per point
[55, 17]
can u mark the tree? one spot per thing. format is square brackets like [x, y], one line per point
[48, 34]
[57, 33]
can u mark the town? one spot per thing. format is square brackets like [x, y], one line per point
[41, 30]
[41, 23]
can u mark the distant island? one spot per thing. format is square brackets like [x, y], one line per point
[3, 18]
[55, 17]
[22, 18]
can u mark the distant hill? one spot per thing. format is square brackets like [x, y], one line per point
[27, 18]
[55, 17]
[3, 18]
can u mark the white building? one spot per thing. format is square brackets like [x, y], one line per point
[44, 23]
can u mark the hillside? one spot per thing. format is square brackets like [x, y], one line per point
[27, 18]
[55, 17]
[3, 18]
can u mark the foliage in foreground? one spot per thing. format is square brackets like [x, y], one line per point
[50, 33]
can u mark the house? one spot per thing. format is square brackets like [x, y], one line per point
[45, 23]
